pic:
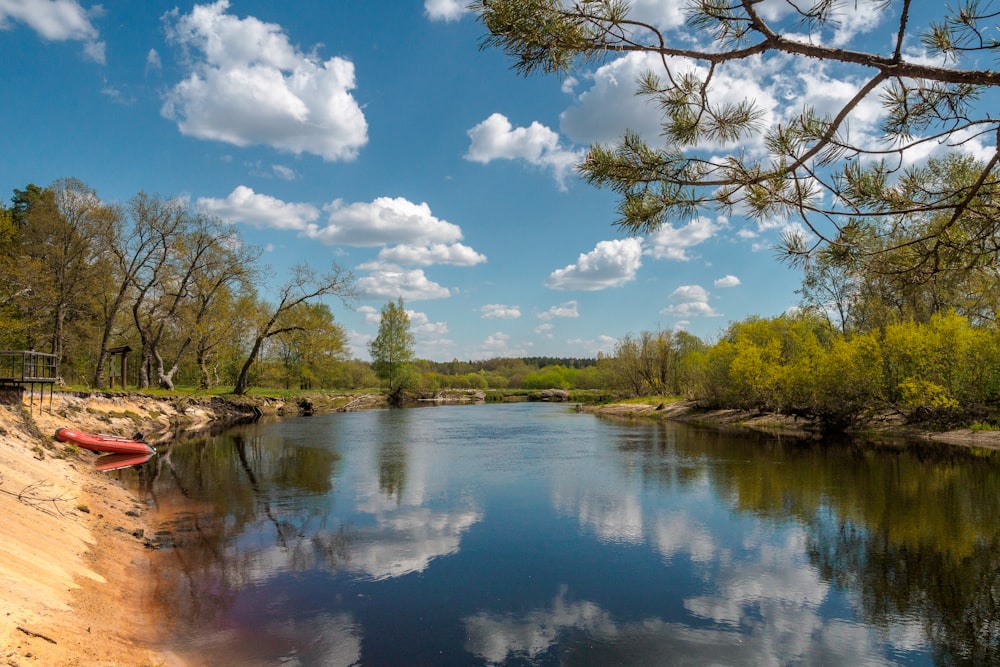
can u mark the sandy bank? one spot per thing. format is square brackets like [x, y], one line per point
[73, 566]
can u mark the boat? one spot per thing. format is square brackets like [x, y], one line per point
[118, 461]
[98, 442]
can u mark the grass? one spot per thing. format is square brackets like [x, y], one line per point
[649, 400]
[984, 426]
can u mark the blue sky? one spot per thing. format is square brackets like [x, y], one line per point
[378, 135]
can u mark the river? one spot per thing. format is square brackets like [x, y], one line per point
[530, 534]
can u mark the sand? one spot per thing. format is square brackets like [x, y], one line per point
[74, 584]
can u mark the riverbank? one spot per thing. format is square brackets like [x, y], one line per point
[74, 566]
[73, 560]
[785, 425]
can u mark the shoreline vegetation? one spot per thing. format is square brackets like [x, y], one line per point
[75, 547]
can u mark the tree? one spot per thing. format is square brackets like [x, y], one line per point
[309, 353]
[928, 265]
[829, 170]
[272, 320]
[55, 259]
[392, 348]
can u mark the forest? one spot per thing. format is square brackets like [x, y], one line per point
[876, 332]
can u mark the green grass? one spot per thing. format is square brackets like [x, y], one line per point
[984, 426]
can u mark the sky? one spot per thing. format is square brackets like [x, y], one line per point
[379, 136]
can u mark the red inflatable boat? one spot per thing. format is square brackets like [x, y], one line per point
[97, 442]
[110, 462]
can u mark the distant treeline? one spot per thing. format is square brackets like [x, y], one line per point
[904, 329]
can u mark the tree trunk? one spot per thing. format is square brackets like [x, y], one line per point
[242, 380]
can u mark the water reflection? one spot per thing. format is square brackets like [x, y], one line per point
[512, 534]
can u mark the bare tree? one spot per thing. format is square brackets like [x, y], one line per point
[304, 286]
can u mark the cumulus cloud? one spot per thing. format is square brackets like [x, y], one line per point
[563, 310]
[445, 10]
[421, 239]
[384, 221]
[456, 254]
[391, 283]
[262, 211]
[690, 301]
[669, 242]
[609, 264]
[499, 345]
[602, 112]
[56, 21]
[249, 85]
[498, 311]
[496, 139]
[609, 106]
[727, 281]
[371, 314]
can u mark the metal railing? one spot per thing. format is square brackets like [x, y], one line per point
[22, 368]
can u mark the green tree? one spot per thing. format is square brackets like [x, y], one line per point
[392, 349]
[56, 260]
[304, 287]
[736, 155]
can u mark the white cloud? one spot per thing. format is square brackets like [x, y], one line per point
[153, 62]
[690, 293]
[393, 283]
[57, 21]
[610, 106]
[690, 301]
[95, 51]
[609, 264]
[54, 20]
[727, 281]
[498, 345]
[249, 85]
[495, 139]
[563, 310]
[856, 18]
[602, 343]
[422, 327]
[283, 172]
[664, 14]
[384, 221]
[669, 242]
[455, 254]
[445, 10]
[262, 211]
[371, 314]
[497, 311]
[422, 238]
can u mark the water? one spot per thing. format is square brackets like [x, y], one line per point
[528, 534]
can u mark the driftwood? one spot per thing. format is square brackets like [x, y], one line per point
[31, 496]
[32, 633]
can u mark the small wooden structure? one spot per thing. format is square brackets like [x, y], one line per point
[122, 353]
[27, 368]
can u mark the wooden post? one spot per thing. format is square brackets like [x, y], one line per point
[122, 351]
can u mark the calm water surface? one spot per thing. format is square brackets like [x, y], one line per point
[528, 534]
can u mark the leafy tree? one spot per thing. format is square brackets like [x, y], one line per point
[736, 155]
[55, 259]
[915, 266]
[309, 353]
[304, 287]
[392, 349]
